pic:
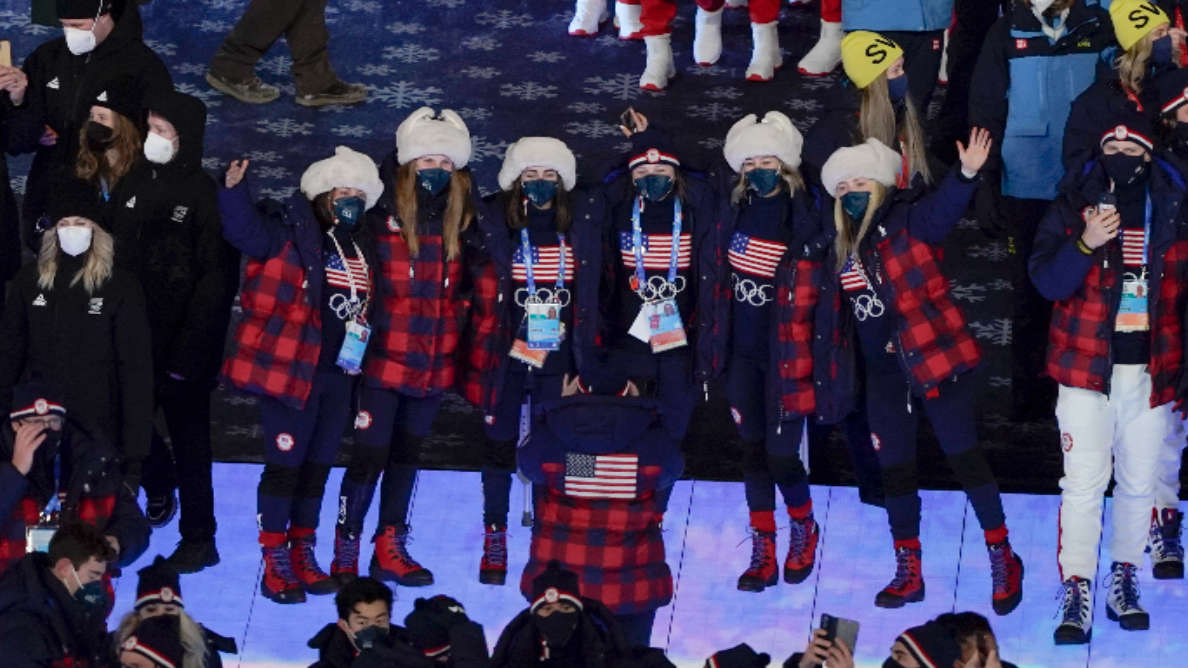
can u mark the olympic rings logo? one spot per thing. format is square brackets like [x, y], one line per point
[747, 291]
[344, 307]
[560, 296]
[868, 306]
[658, 288]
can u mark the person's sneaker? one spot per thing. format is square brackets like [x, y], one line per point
[1006, 571]
[340, 93]
[763, 571]
[1164, 546]
[345, 566]
[493, 568]
[1122, 604]
[160, 510]
[1076, 613]
[908, 584]
[193, 556]
[392, 562]
[251, 90]
[313, 579]
[279, 583]
[802, 551]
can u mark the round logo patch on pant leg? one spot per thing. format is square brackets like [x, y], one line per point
[875, 442]
[489, 419]
[736, 415]
[1066, 441]
[363, 420]
[284, 442]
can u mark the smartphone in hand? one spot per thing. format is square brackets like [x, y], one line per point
[1107, 202]
[5, 53]
[627, 120]
[838, 629]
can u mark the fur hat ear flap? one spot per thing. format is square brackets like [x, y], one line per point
[545, 152]
[421, 134]
[345, 169]
[871, 160]
[741, 126]
[774, 135]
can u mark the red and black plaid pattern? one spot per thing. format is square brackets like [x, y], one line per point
[933, 332]
[614, 545]
[418, 323]
[1079, 338]
[797, 304]
[94, 509]
[1167, 351]
[479, 347]
[277, 345]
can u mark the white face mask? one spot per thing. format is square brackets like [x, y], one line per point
[158, 149]
[80, 41]
[74, 240]
[1042, 5]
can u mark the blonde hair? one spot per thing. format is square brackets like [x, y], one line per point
[458, 214]
[876, 120]
[789, 175]
[847, 242]
[95, 271]
[193, 639]
[125, 145]
[1132, 64]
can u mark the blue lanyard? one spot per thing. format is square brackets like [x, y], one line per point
[55, 502]
[527, 249]
[1147, 229]
[637, 242]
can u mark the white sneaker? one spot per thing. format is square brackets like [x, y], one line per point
[826, 55]
[660, 66]
[765, 55]
[1122, 605]
[1076, 613]
[943, 77]
[587, 16]
[627, 20]
[707, 40]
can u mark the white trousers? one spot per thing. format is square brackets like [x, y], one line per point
[1100, 434]
[1167, 486]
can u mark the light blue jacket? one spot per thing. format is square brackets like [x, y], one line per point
[905, 15]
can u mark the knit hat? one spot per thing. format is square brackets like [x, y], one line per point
[872, 160]
[159, 640]
[932, 645]
[73, 196]
[555, 584]
[35, 397]
[739, 656]
[1173, 91]
[421, 134]
[427, 636]
[653, 146]
[752, 138]
[122, 96]
[543, 152]
[866, 55]
[158, 583]
[1129, 125]
[83, 9]
[1133, 19]
[346, 169]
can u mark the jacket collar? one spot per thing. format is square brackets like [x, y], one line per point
[1025, 21]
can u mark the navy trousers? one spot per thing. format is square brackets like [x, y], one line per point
[503, 432]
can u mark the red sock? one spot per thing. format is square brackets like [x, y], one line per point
[910, 543]
[300, 532]
[801, 512]
[272, 539]
[996, 536]
[763, 520]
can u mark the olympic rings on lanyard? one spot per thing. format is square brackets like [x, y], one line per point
[560, 297]
[750, 292]
[344, 307]
[656, 288]
[534, 295]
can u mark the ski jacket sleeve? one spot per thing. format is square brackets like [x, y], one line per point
[134, 366]
[1057, 265]
[988, 91]
[934, 215]
[245, 227]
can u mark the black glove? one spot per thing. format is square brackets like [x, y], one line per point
[442, 610]
[986, 206]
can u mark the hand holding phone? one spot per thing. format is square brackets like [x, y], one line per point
[1102, 225]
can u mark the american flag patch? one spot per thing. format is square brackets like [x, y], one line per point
[851, 277]
[657, 251]
[601, 476]
[1132, 246]
[336, 272]
[753, 256]
[545, 263]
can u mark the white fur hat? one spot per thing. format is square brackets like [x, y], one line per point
[752, 138]
[421, 134]
[345, 169]
[872, 160]
[538, 152]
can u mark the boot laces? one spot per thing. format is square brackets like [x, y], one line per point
[759, 551]
[282, 565]
[1074, 602]
[904, 571]
[1165, 539]
[1000, 567]
[799, 533]
[346, 551]
[307, 560]
[495, 547]
[1123, 583]
[399, 547]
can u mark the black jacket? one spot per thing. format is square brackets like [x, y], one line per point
[168, 232]
[602, 644]
[468, 649]
[41, 625]
[94, 348]
[56, 82]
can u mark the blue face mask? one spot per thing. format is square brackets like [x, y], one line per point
[763, 181]
[898, 87]
[654, 187]
[348, 211]
[1161, 50]
[434, 180]
[91, 595]
[854, 204]
[540, 192]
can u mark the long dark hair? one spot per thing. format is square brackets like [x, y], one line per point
[460, 209]
[517, 217]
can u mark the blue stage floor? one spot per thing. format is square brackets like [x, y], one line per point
[705, 532]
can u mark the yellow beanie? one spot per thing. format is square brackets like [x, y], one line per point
[1135, 18]
[866, 55]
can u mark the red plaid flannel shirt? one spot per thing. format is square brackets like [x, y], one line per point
[614, 545]
[93, 510]
[419, 320]
[277, 345]
[797, 304]
[481, 350]
[933, 333]
[1167, 336]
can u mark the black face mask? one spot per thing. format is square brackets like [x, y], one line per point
[1181, 131]
[99, 136]
[53, 438]
[1125, 170]
[557, 629]
[892, 663]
